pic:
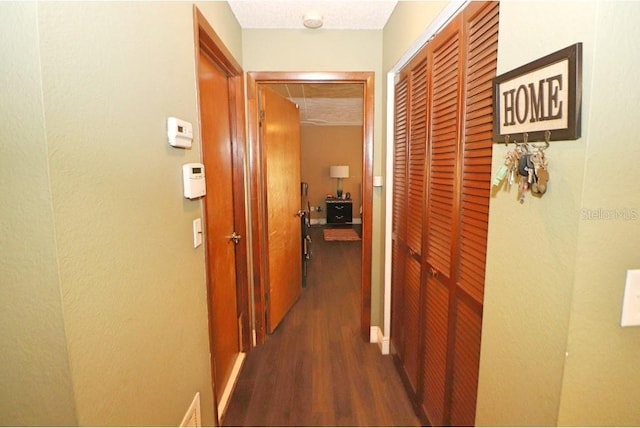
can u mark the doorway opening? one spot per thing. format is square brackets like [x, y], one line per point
[259, 214]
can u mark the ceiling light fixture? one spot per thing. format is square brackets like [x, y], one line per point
[312, 20]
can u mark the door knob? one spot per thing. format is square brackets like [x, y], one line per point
[300, 213]
[235, 238]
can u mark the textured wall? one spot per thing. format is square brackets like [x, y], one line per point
[103, 242]
[35, 382]
[133, 287]
[553, 351]
[532, 246]
[601, 384]
[406, 24]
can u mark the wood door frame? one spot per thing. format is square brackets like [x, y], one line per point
[207, 42]
[258, 211]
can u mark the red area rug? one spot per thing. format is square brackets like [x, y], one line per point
[341, 235]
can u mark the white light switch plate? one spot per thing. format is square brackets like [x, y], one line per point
[197, 232]
[631, 301]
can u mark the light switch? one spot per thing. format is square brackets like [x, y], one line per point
[197, 232]
[631, 302]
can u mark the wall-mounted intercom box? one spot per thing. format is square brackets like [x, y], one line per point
[179, 133]
[193, 180]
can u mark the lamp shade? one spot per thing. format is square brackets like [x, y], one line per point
[339, 171]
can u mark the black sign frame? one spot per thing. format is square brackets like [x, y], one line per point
[572, 130]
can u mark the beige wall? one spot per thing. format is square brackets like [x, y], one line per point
[526, 317]
[35, 379]
[117, 333]
[330, 50]
[323, 146]
[553, 351]
[601, 384]
[406, 24]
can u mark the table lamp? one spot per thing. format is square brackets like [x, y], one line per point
[339, 172]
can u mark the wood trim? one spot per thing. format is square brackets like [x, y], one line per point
[367, 207]
[208, 42]
[258, 219]
[239, 212]
[258, 212]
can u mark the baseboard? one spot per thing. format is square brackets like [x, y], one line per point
[228, 390]
[193, 418]
[377, 336]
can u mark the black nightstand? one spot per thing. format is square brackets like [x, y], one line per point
[339, 211]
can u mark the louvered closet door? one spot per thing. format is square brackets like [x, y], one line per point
[441, 212]
[442, 161]
[415, 217]
[481, 32]
[399, 220]
[409, 165]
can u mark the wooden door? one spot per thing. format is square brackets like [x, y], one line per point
[410, 156]
[219, 220]
[399, 219]
[480, 27]
[280, 133]
[440, 213]
[441, 182]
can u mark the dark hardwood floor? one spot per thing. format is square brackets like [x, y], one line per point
[316, 370]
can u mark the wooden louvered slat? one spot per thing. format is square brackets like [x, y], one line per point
[398, 249]
[417, 155]
[435, 353]
[400, 159]
[486, 17]
[480, 38]
[444, 133]
[480, 90]
[477, 147]
[481, 59]
[397, 287]
[465, 365]
[411, 320]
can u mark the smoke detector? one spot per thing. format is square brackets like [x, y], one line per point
[312, 20]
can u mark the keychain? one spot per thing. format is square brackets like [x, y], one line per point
[528, 165]
[539, 187]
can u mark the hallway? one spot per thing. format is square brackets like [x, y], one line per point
[316, 370]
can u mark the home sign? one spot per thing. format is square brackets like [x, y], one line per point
[540, 100]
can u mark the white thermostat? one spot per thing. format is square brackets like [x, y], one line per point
[179, 133]
[193, 180]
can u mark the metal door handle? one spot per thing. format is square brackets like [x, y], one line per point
[300, 213]
[235, 238]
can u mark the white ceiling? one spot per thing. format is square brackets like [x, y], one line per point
[336, 14]
[326, 104]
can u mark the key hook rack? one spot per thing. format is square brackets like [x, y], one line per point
[525, 142]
